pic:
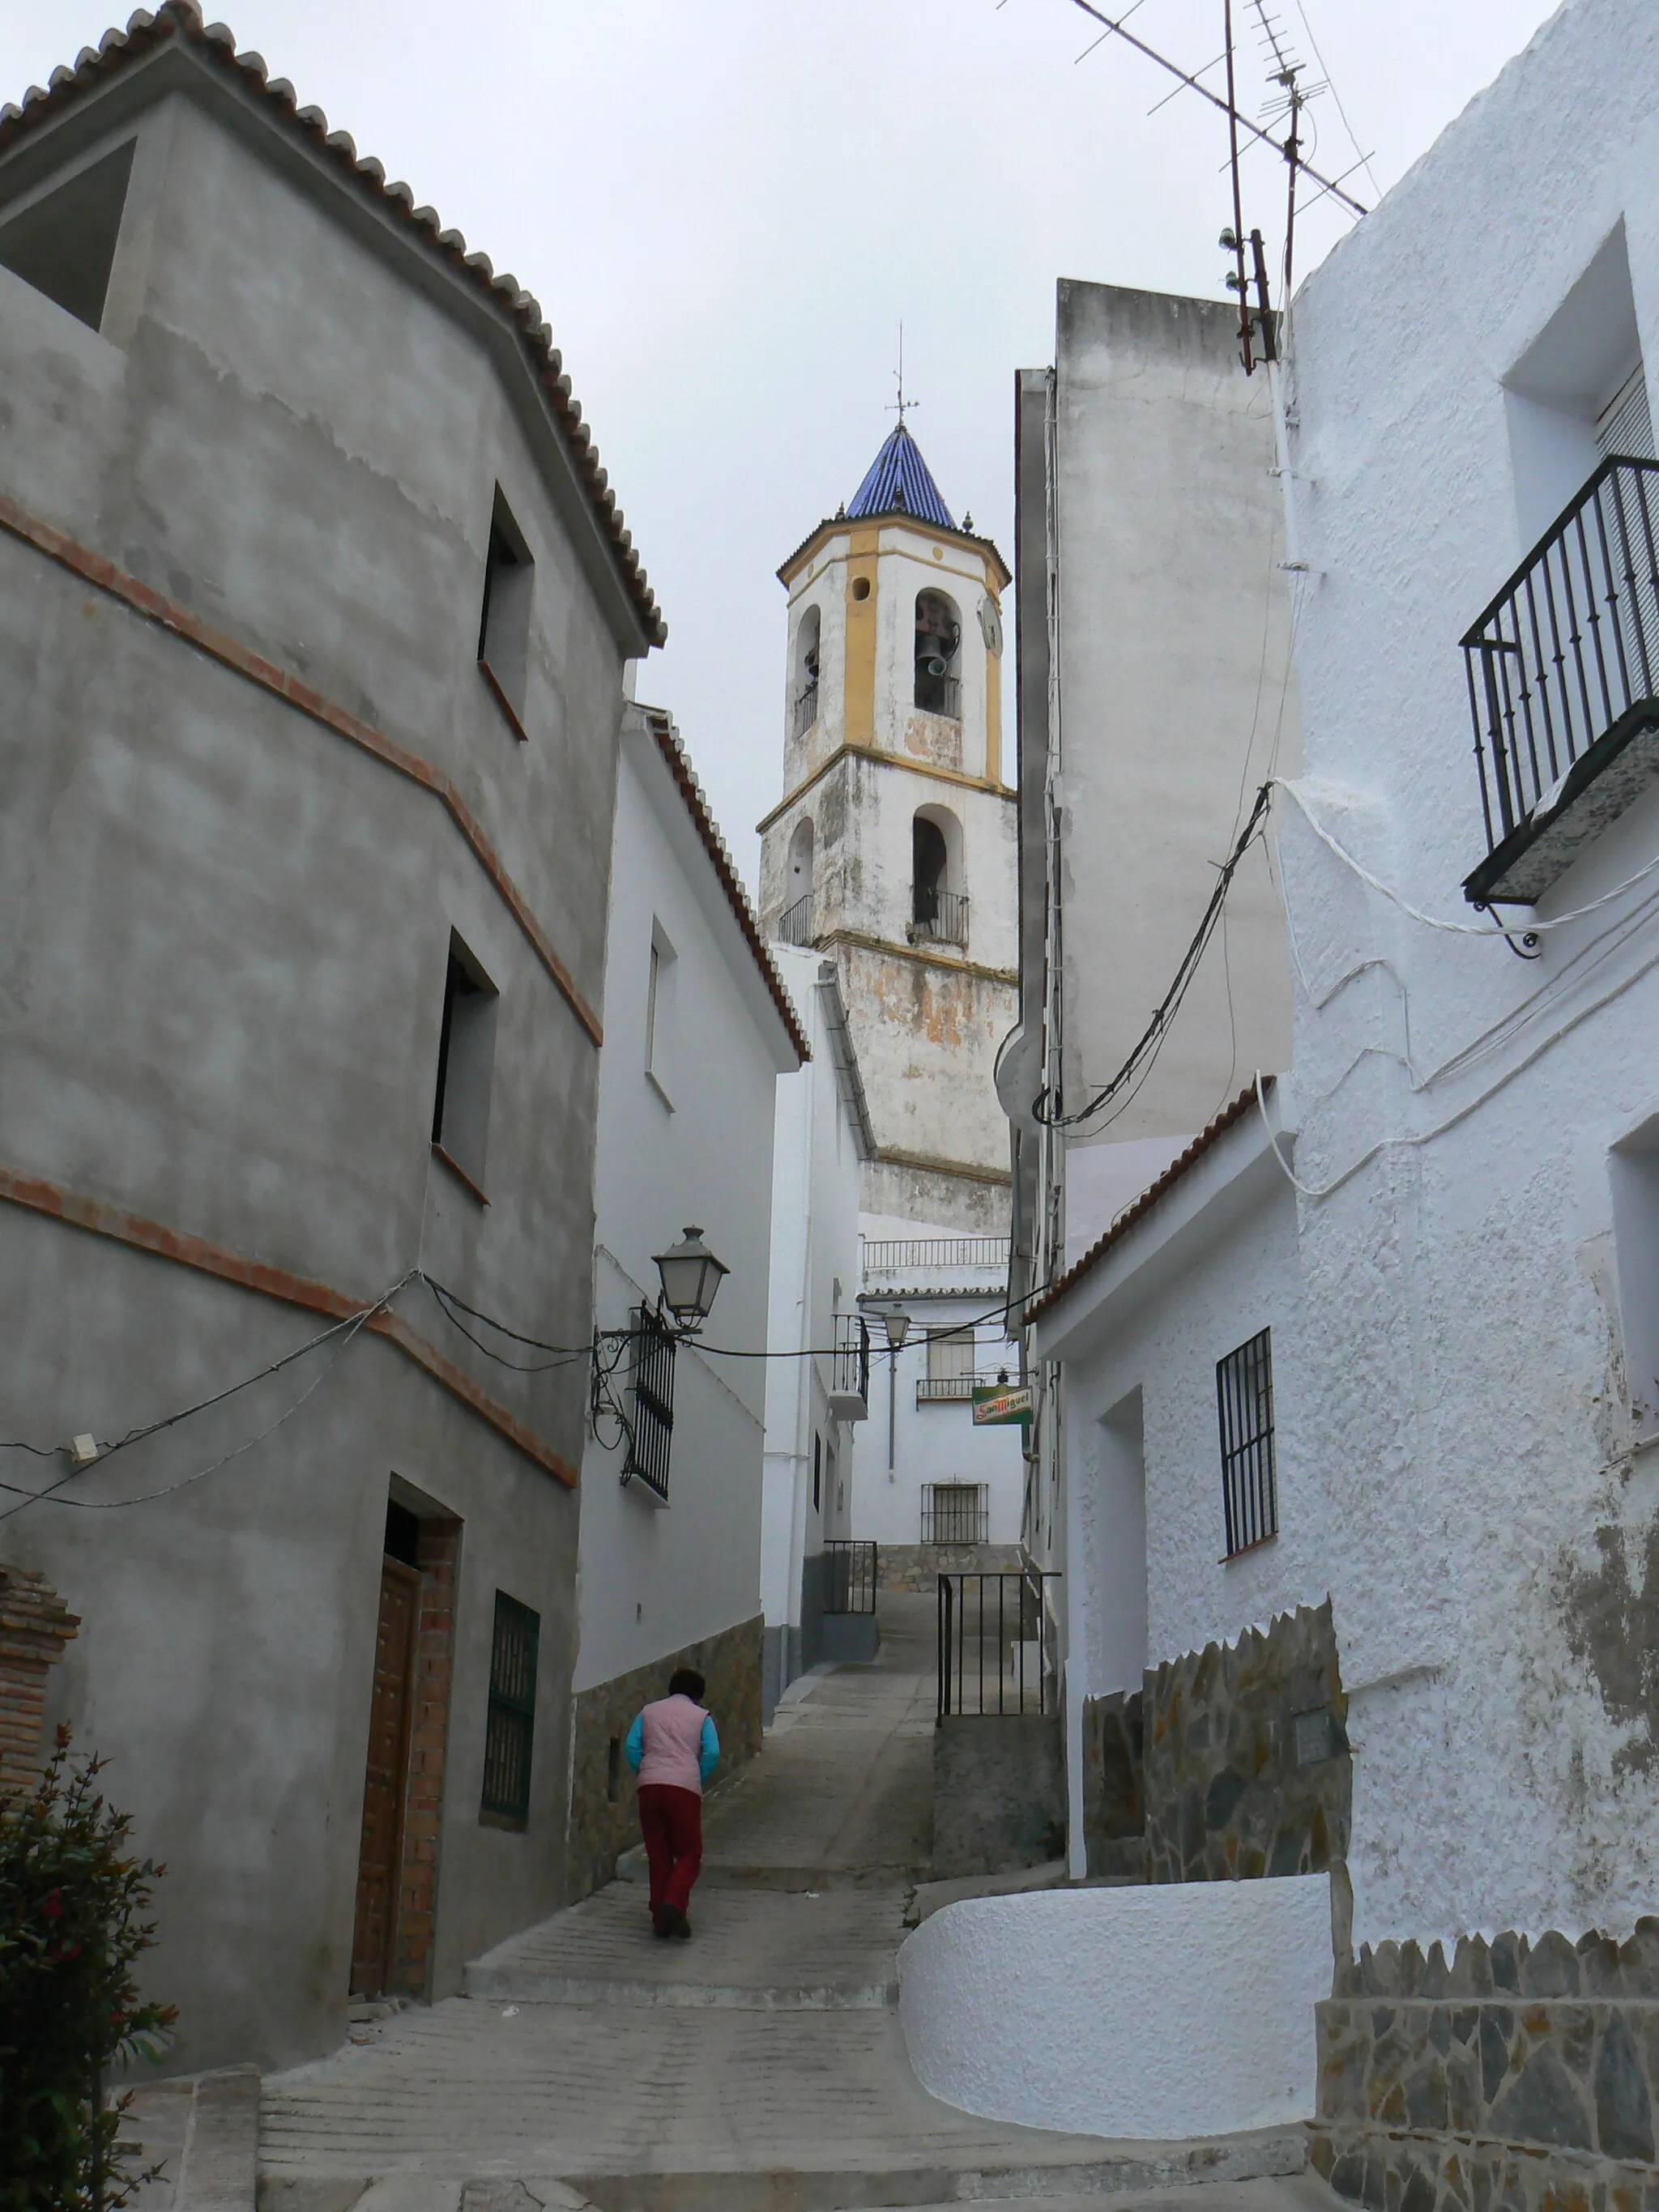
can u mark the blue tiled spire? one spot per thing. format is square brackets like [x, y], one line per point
[899, 482]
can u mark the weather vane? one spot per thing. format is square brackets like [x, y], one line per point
[903, 403]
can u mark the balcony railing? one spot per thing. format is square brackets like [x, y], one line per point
[900, 1256]
[956, 1512]
[795, 922]
[850, 1575]
[997, 1652]
[804, 712]
[939, 694]
[938, 918]
[1564, 685]
[849, 1375]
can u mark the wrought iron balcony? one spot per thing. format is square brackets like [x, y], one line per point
[795, 922]
[849, 1369]
[804, 711]
[938, 694]
[898, 1255]
[938, 917]
[1563, 686]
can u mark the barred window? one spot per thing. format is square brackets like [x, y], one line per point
[1244, 1408]
[512, 1722]
[651, 1443]
[955, 1512]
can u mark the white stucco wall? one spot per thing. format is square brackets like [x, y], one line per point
[692, 1143]
[1462, 1465]
[815, 1214]
[1155, 2014]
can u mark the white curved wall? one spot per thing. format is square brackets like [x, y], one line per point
[1153, 2013]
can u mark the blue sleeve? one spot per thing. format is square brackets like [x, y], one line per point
[634, 1749]
[709, 1752]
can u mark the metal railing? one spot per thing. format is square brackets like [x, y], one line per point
[850, 1367]
[938, 917]
[996, 1645]
[946, 1389]
[850, 1575]
[956, 1512]
[804, 711]
[939, 694]
[893, 1255]
[795, 922]
[651, 1432]
[1567, 653]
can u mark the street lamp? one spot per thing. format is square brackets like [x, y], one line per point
[691, 1275]
[898, 1326]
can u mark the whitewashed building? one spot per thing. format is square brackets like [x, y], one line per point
[818, 1378]
[698, 1029]
[1360, 1504]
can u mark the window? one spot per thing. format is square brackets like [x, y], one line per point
[504, 622]
[1244, 1405]
[511, 1724]
[651, 1438]
[659, 996]
[64, 244]
[955, 1512]
[466, 1057]
[952, 1354]
[938, 912]
[938, 655]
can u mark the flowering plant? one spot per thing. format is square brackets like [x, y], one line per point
[70, 1931]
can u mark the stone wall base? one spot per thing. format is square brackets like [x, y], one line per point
[1522, 2077]
[919, 1566]
[604, 1817]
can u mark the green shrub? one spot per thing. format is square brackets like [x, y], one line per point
[70, 1902]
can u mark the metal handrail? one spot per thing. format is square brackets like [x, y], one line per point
[939, 917]
[851, 1363]
[987, 1626]
[890, 1255]
[804, 711]
[851, 1576]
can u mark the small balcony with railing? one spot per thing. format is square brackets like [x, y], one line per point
[795, 922]
[1563, 670]
[804, 709]
[849, 1369]
[938, 917]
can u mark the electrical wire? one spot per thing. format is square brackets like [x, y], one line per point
[1151, 1041]
[345, 1330]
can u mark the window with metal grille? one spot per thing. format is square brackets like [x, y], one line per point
[955, 1512]
[512, 1722]
[651, 1443]
[1244, 1408]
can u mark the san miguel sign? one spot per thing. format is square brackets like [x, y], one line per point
[1002, 1404]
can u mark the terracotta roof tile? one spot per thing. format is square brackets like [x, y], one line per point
[679, 767]
[181, 19]
[1148, 1199]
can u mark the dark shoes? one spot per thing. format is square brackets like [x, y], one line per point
[669, 1920]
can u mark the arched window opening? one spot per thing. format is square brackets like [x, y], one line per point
[938, 655]
[804, 691]
[795, 924]
[939, 905]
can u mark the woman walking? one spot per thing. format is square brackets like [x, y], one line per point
[674, 1748]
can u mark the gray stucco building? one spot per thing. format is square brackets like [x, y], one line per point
[314, 606]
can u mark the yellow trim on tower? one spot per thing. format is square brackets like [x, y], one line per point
[859, 695]
[992, 717]
[886, 760]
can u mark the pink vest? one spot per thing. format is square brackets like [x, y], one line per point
[673, 1738]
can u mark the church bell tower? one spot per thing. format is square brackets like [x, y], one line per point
[894, 848]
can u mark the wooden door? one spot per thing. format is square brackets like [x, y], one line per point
[379, 1859]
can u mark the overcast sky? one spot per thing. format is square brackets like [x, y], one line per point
[724, 209]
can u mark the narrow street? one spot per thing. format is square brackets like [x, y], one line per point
[761, 2065]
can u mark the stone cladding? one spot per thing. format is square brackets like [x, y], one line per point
[1114, 1784]
[919, 1566]
[1522, 2077]
[603, 1819]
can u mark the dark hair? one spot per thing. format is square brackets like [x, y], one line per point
[686, 1682]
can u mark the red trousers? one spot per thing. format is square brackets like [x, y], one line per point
[671, 1821]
